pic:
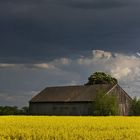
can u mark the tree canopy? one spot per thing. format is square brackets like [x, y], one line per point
[101, 78]
[105, 105]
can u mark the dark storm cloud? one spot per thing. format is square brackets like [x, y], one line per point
[95, 4]
[41, 30]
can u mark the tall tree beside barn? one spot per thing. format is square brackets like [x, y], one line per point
[101, 78]
[104, 104]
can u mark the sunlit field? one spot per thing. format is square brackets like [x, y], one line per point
[69, 128]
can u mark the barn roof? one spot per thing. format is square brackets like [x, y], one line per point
[70, 93]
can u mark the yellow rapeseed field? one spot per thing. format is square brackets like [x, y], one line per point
[69, 128]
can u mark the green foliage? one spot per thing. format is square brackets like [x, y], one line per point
[105, 105]
[101, 78]
[13, 110]
[135, 107]
[25, 110]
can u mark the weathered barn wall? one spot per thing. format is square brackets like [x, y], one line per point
[58, 108]
[124, 100]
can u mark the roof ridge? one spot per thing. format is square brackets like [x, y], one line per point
[77, 85]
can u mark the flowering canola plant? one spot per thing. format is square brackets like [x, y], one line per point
[69, 128]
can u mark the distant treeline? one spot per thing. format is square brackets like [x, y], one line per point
[13, 110]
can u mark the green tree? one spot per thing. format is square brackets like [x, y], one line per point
[135, 107]
[13, 110]
[105, 105]
[101, 78]
[25, 110]
[8, 110]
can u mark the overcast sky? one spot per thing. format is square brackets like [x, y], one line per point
[50, 42]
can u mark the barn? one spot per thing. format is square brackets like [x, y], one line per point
[75, 100]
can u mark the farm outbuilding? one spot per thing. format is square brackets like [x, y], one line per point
[75, 100]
